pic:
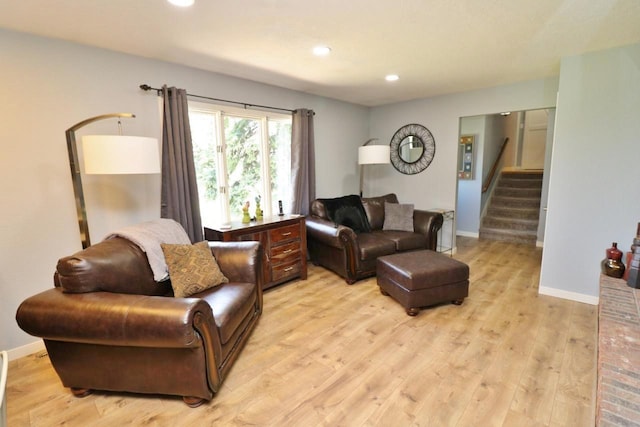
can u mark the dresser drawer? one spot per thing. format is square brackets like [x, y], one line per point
[284, 245]
[284, 233]
[285, 270]
[282, 252]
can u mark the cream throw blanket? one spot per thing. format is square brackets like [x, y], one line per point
[149, 235]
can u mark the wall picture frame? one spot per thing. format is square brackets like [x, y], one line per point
[466, 157]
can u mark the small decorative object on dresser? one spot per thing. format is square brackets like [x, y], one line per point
[634, 278]
[612, 265]
[284, 243]
[631, 276]
[258, 209]
[246, 219]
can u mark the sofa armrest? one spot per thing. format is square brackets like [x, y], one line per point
[428, 223]
[114, 319]
[326, 232]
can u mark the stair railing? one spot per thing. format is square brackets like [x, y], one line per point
[489, 179]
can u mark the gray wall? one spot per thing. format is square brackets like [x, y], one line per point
[46, 87]
[469, 190]
[494, 134]
[544, 199]
[594, 185]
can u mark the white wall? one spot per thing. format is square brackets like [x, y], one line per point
[594, 187]
[436, 186]
[46, 87]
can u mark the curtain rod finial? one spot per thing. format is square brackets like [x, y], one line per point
[145, 87]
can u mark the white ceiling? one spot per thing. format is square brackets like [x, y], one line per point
[436, 46]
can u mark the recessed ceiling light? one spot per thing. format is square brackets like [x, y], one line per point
[182, 3]
[391, 77]
[321, 50]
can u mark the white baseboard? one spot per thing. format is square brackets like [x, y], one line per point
[467, 234]
[25, 350]
[573, 296]
[539, 244]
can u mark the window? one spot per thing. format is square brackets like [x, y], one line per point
[239, 155]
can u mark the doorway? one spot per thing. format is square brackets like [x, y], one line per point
[530, 139]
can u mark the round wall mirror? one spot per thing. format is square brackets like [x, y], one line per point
[412, 149]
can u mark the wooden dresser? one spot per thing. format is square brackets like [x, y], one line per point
[284, 241]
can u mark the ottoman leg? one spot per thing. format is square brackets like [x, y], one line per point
[458, 301]
[413, 311]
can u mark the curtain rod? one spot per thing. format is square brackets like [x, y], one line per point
[146, 87]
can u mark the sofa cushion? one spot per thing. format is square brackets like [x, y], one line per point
[192, 268]
[347, 211]
[230, 303]
[374, 208]
[374, 245]
[398, 217]
[404, 240]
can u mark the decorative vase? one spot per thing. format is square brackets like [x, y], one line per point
[612, 265]
[258, 212]
[246, 219]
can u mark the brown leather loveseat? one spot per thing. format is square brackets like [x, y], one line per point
[350, 248]
[108, 325]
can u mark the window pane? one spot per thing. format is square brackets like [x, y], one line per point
[242, 138]
[203, 135]
[280, 163]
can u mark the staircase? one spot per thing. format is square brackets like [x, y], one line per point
[514, 208]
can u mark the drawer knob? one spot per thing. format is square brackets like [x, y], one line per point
[287, 251]
[286, 234]
[288, 269]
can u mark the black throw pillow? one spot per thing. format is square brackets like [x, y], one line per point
[348, 211]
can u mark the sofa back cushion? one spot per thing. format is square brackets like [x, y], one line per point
[114, 265]
[374, 208]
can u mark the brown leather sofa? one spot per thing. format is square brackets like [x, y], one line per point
[353, 255]
[108, 325]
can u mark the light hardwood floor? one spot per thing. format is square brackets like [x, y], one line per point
[326, 353]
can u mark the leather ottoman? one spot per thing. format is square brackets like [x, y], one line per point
[422, 278]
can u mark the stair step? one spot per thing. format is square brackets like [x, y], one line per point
[512, 236]
[532, 212]
[502, 223]
[518, 192]
[523, 174]
[519, 183]
[515, 202]
[513, 211]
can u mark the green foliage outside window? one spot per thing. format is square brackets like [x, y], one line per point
[243, 159]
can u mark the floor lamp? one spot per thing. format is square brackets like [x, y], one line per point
[108, 154]
[372, 155]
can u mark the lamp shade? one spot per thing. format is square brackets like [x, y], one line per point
[373, 154]
[118, 154]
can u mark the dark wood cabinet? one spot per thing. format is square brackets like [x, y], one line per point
[284, 242]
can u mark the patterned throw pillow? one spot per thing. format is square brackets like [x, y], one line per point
[398, 217]
[192, 268]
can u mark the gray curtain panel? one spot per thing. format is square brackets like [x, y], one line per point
[179, 197]
[303, 170]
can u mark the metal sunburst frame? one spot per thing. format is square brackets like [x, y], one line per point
[429, 151]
